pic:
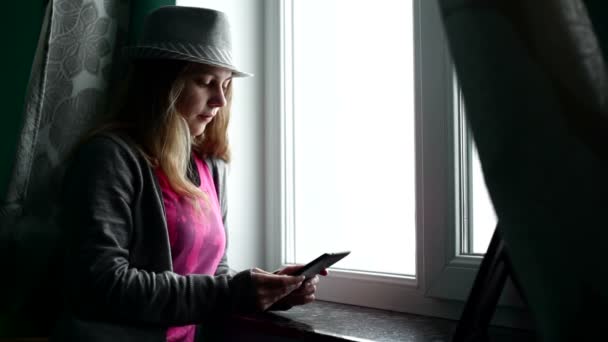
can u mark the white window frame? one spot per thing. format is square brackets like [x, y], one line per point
[444, 277]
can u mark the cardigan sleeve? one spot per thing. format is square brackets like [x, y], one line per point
[100, 188]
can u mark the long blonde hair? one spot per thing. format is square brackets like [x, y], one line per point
[146, 111]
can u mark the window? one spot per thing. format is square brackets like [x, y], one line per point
[352, 138]
[484, 218]
[478, 217]
[367, 151]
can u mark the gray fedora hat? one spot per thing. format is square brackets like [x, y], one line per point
[192, 34]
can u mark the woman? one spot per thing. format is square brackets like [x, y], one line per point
[144, 198]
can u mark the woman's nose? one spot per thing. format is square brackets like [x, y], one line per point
[218, 98]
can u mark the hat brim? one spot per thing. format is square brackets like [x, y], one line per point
[148, 52]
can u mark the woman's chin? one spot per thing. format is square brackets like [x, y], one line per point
[195, 132]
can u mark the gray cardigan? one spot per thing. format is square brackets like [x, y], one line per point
[119, 280]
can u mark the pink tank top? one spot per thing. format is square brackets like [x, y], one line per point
[197, 239]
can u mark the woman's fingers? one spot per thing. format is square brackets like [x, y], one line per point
[278, 288]
[309, 286]
[314, 280]
[259, 270]
[270, 288]
[271, 281]
[289, 269]
[303, 295]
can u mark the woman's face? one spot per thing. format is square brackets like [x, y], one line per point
[203, 95]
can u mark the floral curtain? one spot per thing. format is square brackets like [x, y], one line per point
[78, 58]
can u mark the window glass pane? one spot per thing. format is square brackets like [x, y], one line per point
[484, 217]
[354, 159]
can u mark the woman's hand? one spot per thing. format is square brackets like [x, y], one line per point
[294, 268]
[270, 288]
[303, 295]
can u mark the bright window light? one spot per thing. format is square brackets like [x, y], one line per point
[353, 135]
[484, 217]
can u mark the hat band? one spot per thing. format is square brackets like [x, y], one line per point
[198, 51]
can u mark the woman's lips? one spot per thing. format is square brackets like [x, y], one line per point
[206, 116]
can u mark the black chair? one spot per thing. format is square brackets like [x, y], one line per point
[534, 82]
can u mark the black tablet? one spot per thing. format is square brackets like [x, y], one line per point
[324, 261]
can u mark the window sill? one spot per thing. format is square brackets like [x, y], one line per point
[325, 321]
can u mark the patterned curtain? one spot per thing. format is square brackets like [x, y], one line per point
[78, 59]
[535, 84]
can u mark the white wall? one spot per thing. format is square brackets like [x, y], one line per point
[246, 198]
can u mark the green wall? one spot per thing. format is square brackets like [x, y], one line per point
[139, 9]
[23, 20]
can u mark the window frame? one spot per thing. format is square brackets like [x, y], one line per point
[444, 276]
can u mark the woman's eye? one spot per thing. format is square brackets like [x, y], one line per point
[203, 82]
